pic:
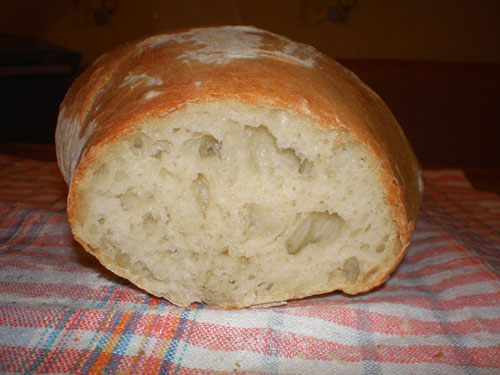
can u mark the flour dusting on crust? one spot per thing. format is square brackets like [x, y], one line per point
[222, 45]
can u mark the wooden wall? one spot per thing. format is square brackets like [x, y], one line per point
[443, 30]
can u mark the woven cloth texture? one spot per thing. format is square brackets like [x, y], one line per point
[61, 312]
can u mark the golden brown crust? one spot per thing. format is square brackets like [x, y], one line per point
[149, 78]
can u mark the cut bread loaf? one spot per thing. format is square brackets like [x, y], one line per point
[235, 167]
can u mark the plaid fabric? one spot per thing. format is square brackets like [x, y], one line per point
[63, 313]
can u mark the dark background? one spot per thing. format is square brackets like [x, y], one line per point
[436, 63]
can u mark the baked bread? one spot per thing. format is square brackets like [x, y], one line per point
[235, 167]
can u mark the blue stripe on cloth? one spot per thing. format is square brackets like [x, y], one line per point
[97, 333]
[50, 341]
[174, 343]
[186, 342]
[87, 366]
[112, 364]
[121, 346]
[13, 228]
[102, 343]
[32, 234]
[271, 356]
[102, 301]
[146, 341]
[70, 331]
[366, 342]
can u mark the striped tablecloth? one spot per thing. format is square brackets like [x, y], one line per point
[63, 313]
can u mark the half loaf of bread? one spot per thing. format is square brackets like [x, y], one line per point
[235, 167]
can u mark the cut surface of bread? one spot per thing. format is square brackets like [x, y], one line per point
[234, 201]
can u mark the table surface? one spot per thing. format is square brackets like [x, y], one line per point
[61, 312]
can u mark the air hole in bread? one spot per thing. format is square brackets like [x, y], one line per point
[195, 257]
[370, 273]
[139, 269]
[101, 171]
[167, 175]
[201, 192]
[138, 142]
[306, 168]
[122, 260]
[162, 146]
[351, 269]
[355, 233]
[209, 146]
[149, 223]
[129, 199]
[137, 145]
[315, 228]
[380, 248]
[269, 286]
[265, 154]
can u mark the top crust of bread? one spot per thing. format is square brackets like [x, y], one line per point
[149, 79]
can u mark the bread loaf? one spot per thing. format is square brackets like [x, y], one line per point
[235, 167]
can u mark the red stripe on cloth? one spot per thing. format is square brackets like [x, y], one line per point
[106, 356]
[486, 357]
[14, 358]
[27, 316]
[434, 269]
[447, 177]
[61, 254]
[397, 325]
[151, 365]
[432, 251]
[47, 290]
[30, 264]
[445, 284]
[290, 345]
[437, 304]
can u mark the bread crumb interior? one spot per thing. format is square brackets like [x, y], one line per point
[236, 205]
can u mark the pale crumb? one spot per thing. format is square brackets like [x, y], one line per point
[235, 205]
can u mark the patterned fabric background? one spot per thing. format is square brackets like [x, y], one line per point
[63, 313]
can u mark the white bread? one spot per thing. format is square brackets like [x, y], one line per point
[235, 167]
